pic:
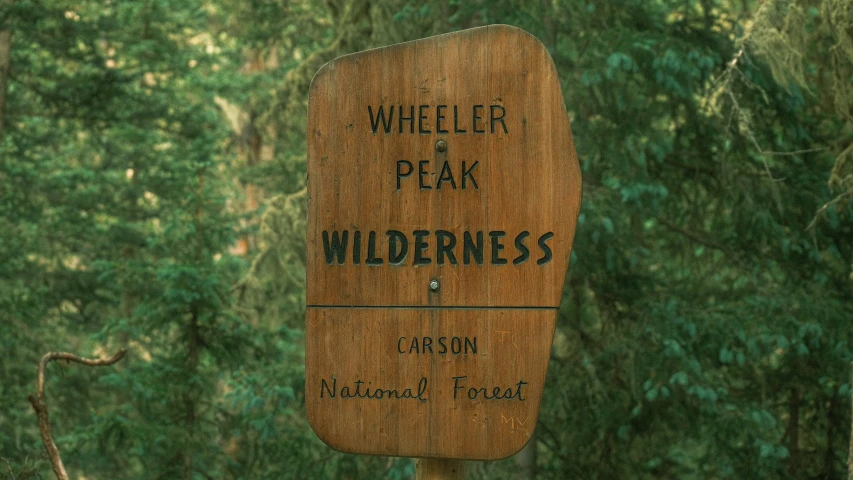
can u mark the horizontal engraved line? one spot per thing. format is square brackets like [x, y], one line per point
[436, 307]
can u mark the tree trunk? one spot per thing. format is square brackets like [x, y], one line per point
[189, 398]
[831, 423]
[194, 339]
[5, 59]
[794, 434]
[850, 451]
[252, 146]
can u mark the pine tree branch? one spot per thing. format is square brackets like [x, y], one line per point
[839, 200]
[40, 406]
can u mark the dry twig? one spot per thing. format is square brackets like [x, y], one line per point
[40, 406]
[9, 466]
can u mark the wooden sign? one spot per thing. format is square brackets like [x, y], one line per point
[443, 196]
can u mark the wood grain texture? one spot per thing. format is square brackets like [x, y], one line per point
[490, 219]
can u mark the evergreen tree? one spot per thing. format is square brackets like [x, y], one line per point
[152, 165]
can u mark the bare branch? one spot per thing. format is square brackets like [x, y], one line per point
[40, 406]
[97, 362]
[794, 152]
[840, 199]
[9, 466]
[691, 235]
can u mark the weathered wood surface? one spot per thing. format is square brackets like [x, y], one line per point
[490, 218]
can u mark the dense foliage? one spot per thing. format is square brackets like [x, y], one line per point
[152, 172]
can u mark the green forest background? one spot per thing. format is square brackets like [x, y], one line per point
[152, 196]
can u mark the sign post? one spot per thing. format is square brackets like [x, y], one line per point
[444, 191]
[440, 469]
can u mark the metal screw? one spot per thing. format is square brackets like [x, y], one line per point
[434, 285]
[441, 146]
